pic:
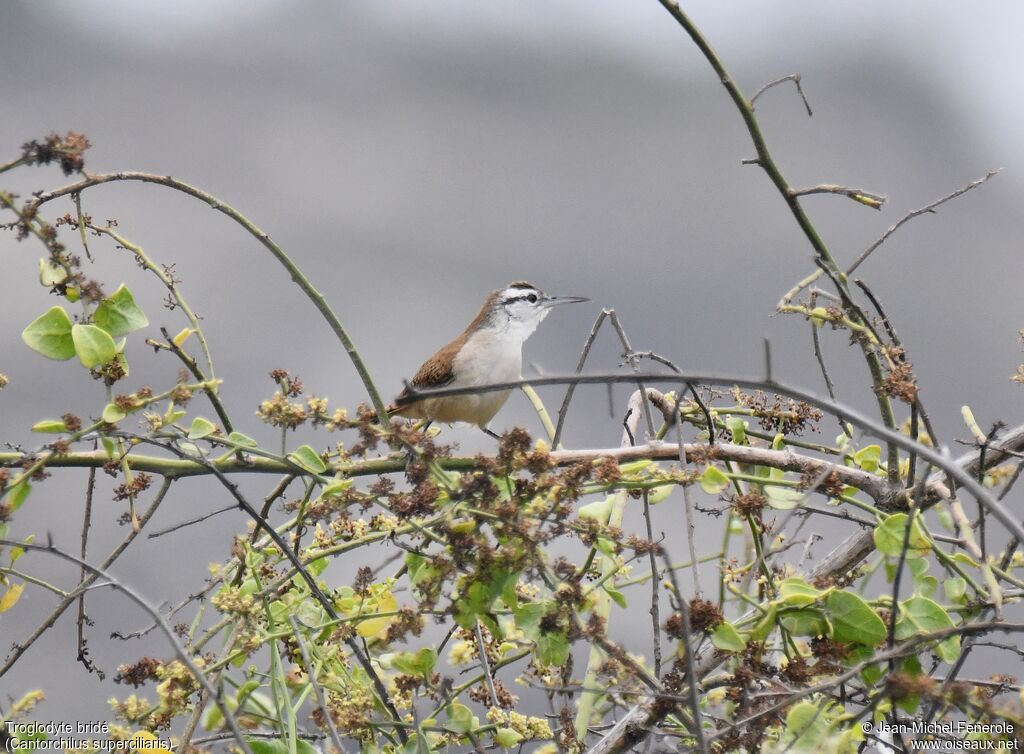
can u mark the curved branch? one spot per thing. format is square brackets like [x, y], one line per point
[296, 274]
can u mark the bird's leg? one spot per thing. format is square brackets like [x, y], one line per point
[492, 434]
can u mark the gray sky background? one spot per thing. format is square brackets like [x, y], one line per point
[411, 157]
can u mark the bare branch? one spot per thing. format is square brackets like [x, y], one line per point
[928, 208]
[795, 78]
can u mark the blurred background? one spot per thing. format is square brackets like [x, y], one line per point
[411, 157]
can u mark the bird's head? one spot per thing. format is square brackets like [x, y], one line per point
[519, 307]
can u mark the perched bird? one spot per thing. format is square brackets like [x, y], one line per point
[489, 350]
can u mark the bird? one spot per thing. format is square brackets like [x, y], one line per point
[489, 350]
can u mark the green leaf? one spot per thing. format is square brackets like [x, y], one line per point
[506, 738]
[119, 314]
[51, 274]
[50, 335]
[50, 426]
[738, 429]
[926, 586]
[634, 467]
[890, 533]
[419, 664]
[17, 496]
[868, 458]
[316, 567]
[796, 592]
[245, 690]
[201, 428]
[265, 746]
[552, 648]
[955, 589]
[805, 622]
[460, 718]
[920, 615]
[243, 441]
[597, 511]
[617, 597]
[17, 552]
[782, 498]
[333, 488]
[529, 615]
[112, 413]
[727, 639]
[171, 415]
[660, 494]
[853, 620]
[713, 481]
[306, 457]
[911, 667]
[765, 625]
[93, 345]
[807, 725]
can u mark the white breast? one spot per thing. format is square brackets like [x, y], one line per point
[487, 357]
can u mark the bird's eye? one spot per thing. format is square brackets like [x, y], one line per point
[532, 298]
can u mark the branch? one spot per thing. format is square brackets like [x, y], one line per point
[795, 78]
[867, 198]
[885, 495]
[929, 208]
[296, 274]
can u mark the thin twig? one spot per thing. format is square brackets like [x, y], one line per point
[861, 196]
[795, 78]
[829, 386]
[193, 367]
[83, 650]
[929, 208]
[671, 415]
[190, 522]
[486, 665]
[655, 610]
[564, 409]
[688, 655]
[631, 357]
[688, 508]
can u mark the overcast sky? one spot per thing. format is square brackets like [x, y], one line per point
[411, 156]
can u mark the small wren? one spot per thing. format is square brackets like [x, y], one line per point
[489, 350]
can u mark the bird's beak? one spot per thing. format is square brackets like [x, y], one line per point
[556, 300]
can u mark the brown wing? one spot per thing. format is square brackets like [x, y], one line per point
[437, 371]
